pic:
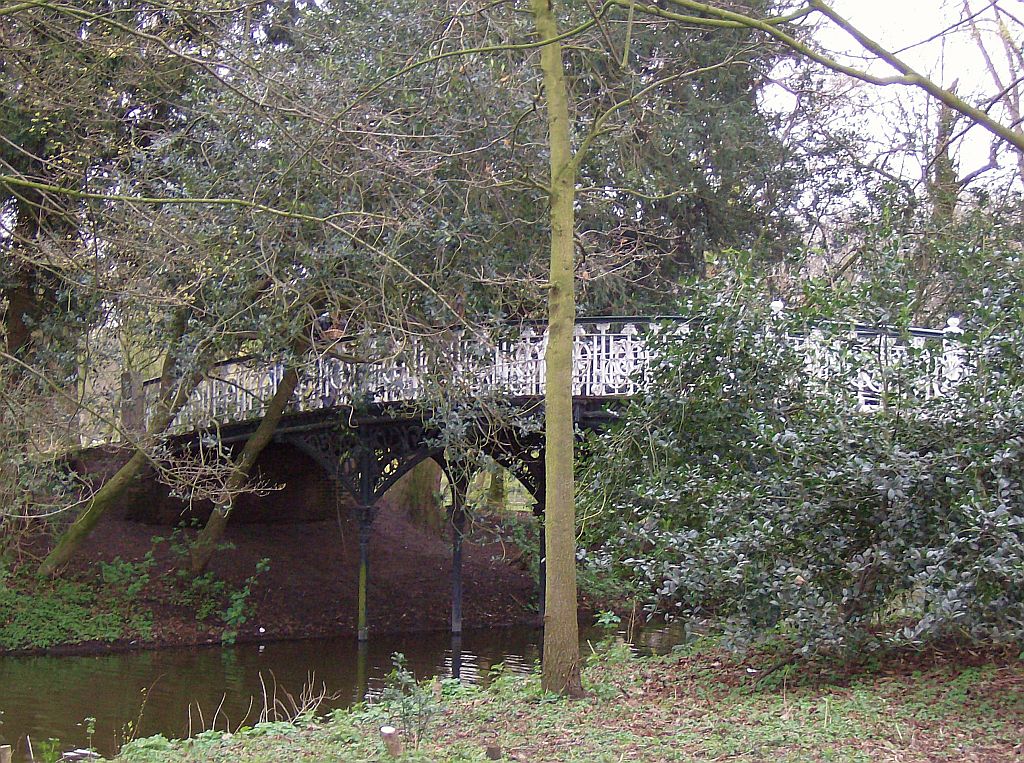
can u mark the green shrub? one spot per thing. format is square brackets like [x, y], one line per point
[411, 704]
[63, 612]
[240, 608]
[747, 488]
[131, 577]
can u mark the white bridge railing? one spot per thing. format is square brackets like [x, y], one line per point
[611, 357]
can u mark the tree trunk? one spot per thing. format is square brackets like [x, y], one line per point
[943, 189]
[22, 308]
[133, 402]
[172, 400]
[561, 660]
[30, 289]
[206, 542]
[496, 489]
[417, 493]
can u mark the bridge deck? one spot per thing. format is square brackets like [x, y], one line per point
[612, 358]
[369, 452]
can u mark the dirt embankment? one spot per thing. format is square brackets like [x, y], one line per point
[310, 588]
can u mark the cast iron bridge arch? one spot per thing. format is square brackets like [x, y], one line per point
[355, 421]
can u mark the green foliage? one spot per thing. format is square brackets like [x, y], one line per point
[203, 593]
[605, 590]
[33, 487]
[132, 577]
[37, 615]
[239, 607]
[607, 619]
[520, 530]
[747, 488]
[90, 729]
[48, 750]
[152, 749]
[209, 595]
[702, 707]
[411, 704]
[913, 267]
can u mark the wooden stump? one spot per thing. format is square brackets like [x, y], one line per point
[392, 740]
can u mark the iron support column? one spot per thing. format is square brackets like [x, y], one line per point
[365, 522]
[458, 530]
[542, 552]
[456, 657]
[366, 496]
[362, 672]
[542, 571]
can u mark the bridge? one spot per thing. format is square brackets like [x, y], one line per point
[368, 423]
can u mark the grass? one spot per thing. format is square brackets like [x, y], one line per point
[37, 614]
[703, 706]
[113, 601]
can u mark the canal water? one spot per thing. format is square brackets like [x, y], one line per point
[176, 692]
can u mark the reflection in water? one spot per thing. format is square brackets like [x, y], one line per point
[362, 687]
[180, 691]
[456, 659]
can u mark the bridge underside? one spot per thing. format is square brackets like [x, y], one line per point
[366, 453]
[365, 449]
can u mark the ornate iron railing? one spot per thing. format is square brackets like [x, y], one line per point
[611, 358]
[882, 366]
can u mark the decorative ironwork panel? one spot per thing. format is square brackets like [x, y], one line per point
[880, 366]
[610, 360]
[366, 461]
[337, 453]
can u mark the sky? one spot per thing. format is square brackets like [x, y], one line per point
[908, 26]
[898, 24]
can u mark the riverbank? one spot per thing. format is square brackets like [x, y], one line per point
[702, 706]
[270, 582]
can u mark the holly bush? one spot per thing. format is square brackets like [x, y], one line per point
[752, 488]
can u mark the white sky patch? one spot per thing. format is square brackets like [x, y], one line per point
[919, 32]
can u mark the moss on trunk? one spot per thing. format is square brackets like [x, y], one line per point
[417, 493]
[206, 542]
[171, 400]
[561, 660]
